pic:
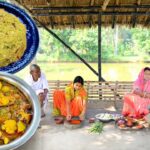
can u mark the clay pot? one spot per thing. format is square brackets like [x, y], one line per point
[59, 120]
[91, 120]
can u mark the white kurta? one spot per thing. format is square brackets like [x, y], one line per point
[38, 86]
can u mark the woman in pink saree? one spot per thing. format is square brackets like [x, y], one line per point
[136, 103]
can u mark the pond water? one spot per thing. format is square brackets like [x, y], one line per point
[67, 71]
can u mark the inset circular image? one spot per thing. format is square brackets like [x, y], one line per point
[19, 38]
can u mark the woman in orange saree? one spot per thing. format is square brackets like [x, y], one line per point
[137, 103]
[71, 102]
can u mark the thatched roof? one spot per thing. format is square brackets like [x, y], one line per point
[84, 13]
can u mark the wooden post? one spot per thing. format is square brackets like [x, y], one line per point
[115, 95]
[99, 54]
[99, 47]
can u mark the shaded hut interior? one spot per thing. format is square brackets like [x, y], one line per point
[84, 13]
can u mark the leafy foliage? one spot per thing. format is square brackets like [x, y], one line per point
[96, 127]
[132, 43]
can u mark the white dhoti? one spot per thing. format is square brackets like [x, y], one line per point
[39, 86]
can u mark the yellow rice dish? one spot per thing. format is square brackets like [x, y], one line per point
[12, 38]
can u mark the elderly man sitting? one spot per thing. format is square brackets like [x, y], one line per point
[37, 80]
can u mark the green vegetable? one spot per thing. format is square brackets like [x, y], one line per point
[96, 127]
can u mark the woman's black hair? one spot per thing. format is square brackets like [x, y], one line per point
[146, 68]
[78, 79]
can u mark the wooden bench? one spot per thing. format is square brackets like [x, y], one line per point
[112, 91]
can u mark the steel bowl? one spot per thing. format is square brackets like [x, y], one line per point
[31, 96]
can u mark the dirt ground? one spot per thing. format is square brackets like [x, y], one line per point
[56, 137]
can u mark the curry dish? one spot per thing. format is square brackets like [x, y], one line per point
[12, 38]
[15, 113]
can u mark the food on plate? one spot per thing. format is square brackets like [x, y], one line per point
[121, 122]
[140, 126]
[122, 126]
[12, 39]
[104, 116]
[15, 113]
[131, 123]
[75, 121]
